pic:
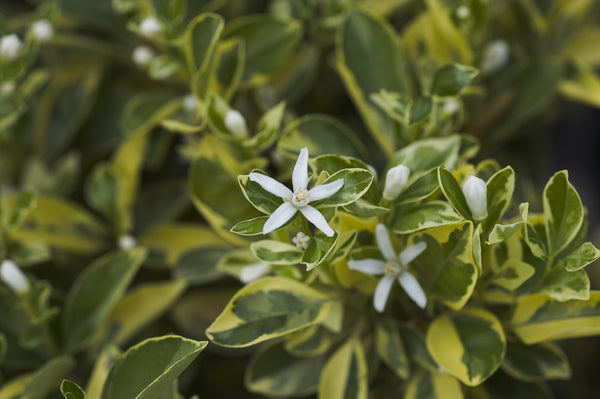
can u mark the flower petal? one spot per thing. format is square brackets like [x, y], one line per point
[253, 272]
[279, 217]
[413, 289]
[316, 218]
[368, 266]
[271, 185]
[384, 242]
[325, 190]
[300, 174]
[410, 253]
[382, 292]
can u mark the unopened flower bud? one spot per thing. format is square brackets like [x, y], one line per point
[450, 107]
[150, 26]
[463, 12]
[142, 55]
[475, 192]
[495, 56]
[126, 242]
[235, 122]
[7, 87]
[10, 46]
[395, 180]
[42, 30]
[253, 272]
[190, 103]
[13, 276]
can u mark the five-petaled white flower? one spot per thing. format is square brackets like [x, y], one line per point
[301, 241]
[394, 267]
[299, 199]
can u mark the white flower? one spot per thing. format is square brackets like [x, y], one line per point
[299, 199]
[463, 12]
[42, 30]
[150, 26]
[13, 276]
[126, 242]
[190, 103]
[495, 56]
[142, 55]
[395, 181]
[7, 87]
[450, 107]
[475, 192]
[301, 240]
[235, 123]
[394, 267]
[10, 46]
[253, 272]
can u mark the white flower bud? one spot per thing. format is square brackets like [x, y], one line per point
[475, 192]
[150, 26]
[301, 241]
[190, 103]
[126, 242]
[395, 180]
[235, 122]
[463, 12]
[7, 87]
[495, 56]
[42, 30]
[10, 46]
[13, 276]
[253, 272]
[450, 107]
[142, 55]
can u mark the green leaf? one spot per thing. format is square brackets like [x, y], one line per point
[446, 269]
[345, 375]
[581, 257]
[150, 367]
[269, 44]
[356, 183]
[260, 198]
[171, 11]
[38, 384]
[2, 347]
[419, 187]
[501, 232]
[538, 318]
[564, 285]
[201, 38]
[423, 155]
[500, 189]
[268, 127]
[535, 363]
[416, 217]
[146, 110]
[142, 305]
[453, 192]
[321, 134]
[512, 274]
[96, 292]
[390, 347]
[250, 227]
[199, 265]
[563, 212]
[23, 205]
[433, 385]
[369, 59]
[419, 110]
[319, 248]
[266, 309]
[469, 344]
[216, 112]
[102, 366]
[275, 372]
[232, 56]
[451, 79]
[312, 341]
[276, 252]
[70, 390]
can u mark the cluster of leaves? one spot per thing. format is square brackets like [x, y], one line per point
[124, 146]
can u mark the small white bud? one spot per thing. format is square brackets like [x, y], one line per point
[235, 122]
[253, 272]
[142, 55]
[10, 46]
[126, 242]
[450, 107]
[495, 56]
[475, 192]
[150, 26]
[463, 12]
[7, 87]
[395, 180]
[42, 30]
[13, 276]
[301, 241]
[190, 103]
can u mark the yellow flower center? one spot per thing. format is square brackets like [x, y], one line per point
[300, 198]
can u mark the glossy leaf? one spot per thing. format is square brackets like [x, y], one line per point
[433, 385]
[319, 248]
[420, 188]
[412, 218]
[70, 390]
[356, 184]
[499, 193]
[564, 285]
[535, 363]
[469, 344]
[512, 274]
[581, 257]
[345, 375]
[250, 227]
[451, 79]
[38, 384]
[391, 349]
[267, 129]
[277, 252]
[453, 192]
